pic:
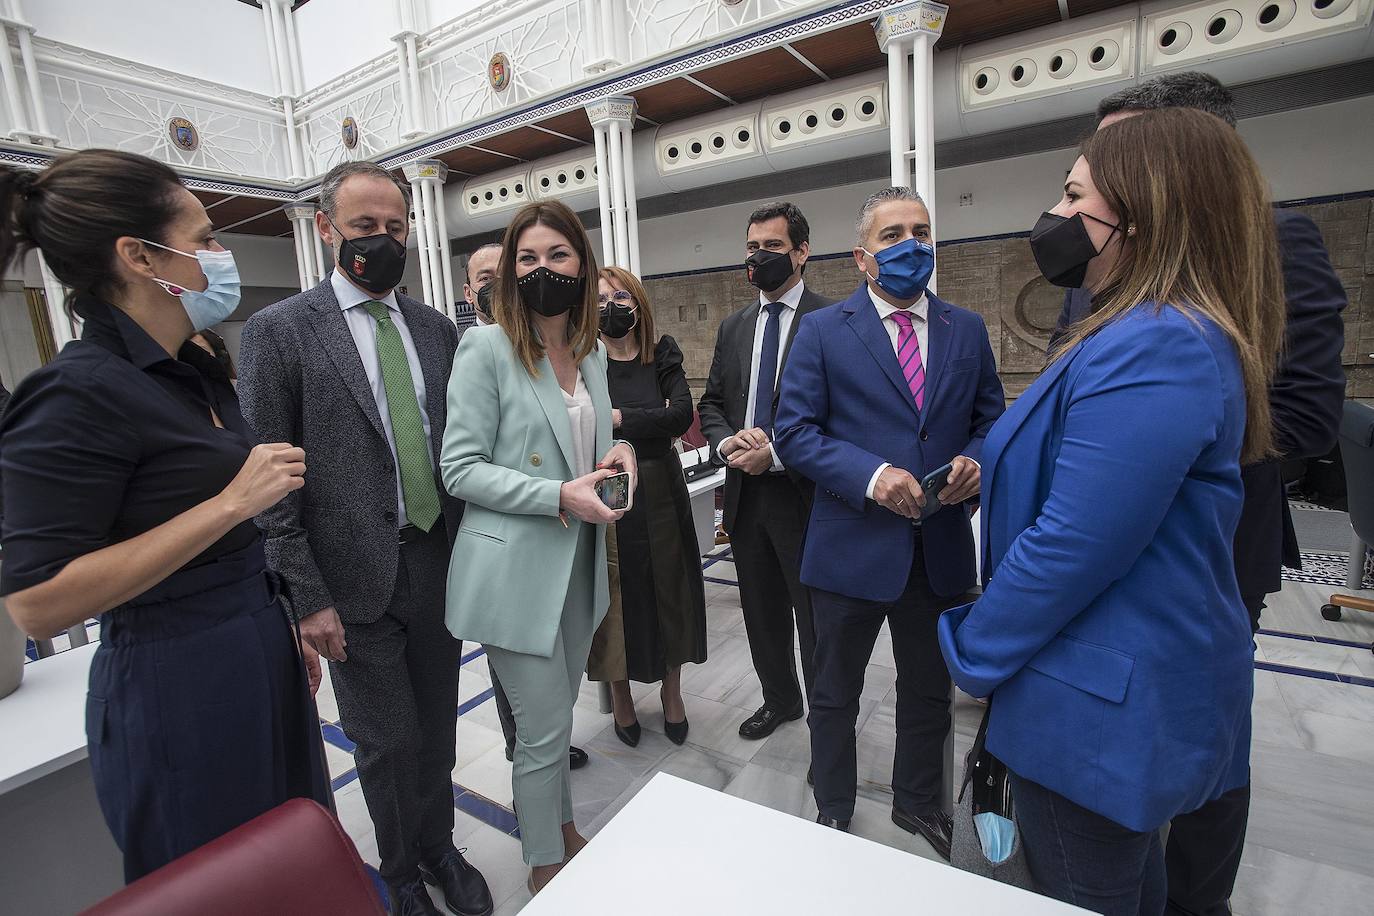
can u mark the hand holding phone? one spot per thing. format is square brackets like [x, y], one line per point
[932, 484]
[615, 491]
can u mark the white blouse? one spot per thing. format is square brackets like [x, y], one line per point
[582, 418]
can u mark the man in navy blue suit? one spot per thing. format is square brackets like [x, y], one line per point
[1204, 850]
[880, 390]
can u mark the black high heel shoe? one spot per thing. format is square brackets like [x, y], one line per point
[628, 733]
[675, 731]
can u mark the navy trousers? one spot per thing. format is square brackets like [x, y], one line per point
[199, 717]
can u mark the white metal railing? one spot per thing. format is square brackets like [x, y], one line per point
[502, 56]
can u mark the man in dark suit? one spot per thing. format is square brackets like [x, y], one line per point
[358, 376]
[765, 504]
[882, 389]
[1204, 850]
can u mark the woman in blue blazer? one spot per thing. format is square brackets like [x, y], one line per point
[528, 418]
[1111, 633]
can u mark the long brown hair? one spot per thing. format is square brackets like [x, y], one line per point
[644, 328]
[1203, 241]
[584, 321]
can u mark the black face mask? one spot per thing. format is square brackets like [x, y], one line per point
[550, 294]
[618, 320]
[1063, 248]
[374, 262]
[483, 303]
[767, 270]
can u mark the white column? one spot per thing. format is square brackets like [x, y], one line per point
[613, 119]
[445, 255]
[591, 32]
[608, 42]
[631, 202]
[55, 295]
[288, 75]
[269, 26]
[293, 140]
[421, 120]
[436, 266]
[307, 254]
[603, 193]
[923, 129]
[622, 231]
[19, 115]
[293, 48]
[403, 80]
[422, 240]
[899, 137]
[40, 114]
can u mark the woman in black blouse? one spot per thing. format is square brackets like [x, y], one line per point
[657, 620]
[130, 485]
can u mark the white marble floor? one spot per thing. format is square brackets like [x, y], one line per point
[1310, 847]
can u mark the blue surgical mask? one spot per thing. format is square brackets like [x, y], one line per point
[997, 836]
[210, 306]
[904, 269]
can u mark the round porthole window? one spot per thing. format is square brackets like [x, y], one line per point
[1174, 37]
[1104, 54]
[1062, 63]
[1224, 26]
[985, 81]
[1276, 14]
[1023, 72]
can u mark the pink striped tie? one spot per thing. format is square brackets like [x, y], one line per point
[909, 357]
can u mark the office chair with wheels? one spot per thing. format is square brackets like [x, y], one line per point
[1357, 452]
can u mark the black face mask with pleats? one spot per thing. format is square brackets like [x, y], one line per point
[1062, 247]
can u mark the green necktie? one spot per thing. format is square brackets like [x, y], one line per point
[407, 429]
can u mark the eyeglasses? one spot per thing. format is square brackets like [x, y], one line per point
[619, 297]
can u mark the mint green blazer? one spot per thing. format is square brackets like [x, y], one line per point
[507, 450]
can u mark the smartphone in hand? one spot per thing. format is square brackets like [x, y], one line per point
[932, 484]
[615, 491]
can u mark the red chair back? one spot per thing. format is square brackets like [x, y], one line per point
[293, 859]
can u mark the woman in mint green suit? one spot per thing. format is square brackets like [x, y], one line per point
[528, 418]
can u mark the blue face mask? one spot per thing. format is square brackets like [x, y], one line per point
[997, 836]
[904, 269]
[210, 306]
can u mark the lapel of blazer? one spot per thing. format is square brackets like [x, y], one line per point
[868, 327]
[939, 340]
[434, 364]
[337, 342]
[744, 346]
[550, 397]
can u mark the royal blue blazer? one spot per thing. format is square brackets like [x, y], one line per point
[844, 408]
[1111, 632]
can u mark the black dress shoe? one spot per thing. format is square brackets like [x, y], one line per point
[577, 758]
[833, 823]
[409, 898]
[510, 753]
[676, 731]
[937, 828]
[766, 721]
[465, 890]
[628, 733]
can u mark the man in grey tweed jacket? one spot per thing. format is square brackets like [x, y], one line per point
[340, 370]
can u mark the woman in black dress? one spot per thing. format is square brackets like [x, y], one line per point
[130, 485]
[657, 620]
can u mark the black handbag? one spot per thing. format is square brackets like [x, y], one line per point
[986, 790]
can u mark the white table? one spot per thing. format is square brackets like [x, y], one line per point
[56, 854]
[703, 494]
[680, 848]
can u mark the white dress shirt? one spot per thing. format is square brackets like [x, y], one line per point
[363, 327]
[790, 300]
[582, 419]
